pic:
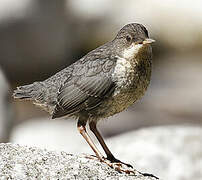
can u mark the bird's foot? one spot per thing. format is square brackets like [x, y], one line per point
[115, 164]
[120, 167]
[114, 160]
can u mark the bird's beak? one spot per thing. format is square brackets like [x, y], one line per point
[148, 41]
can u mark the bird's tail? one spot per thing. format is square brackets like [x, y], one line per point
[27, 92]
[37, 93]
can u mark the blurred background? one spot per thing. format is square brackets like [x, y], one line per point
[40, 37]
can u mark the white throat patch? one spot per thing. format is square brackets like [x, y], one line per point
[122, 73]
[133, 49]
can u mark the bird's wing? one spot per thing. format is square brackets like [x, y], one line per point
[91, 83]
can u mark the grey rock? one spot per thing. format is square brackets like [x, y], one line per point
[21, 162]
[169, 152]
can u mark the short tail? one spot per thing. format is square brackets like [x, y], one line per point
[27, 92]
[37, 92]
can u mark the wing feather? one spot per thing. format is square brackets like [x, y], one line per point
[84, 92]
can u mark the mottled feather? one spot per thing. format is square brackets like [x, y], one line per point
[85, 91]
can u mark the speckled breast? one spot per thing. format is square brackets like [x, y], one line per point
[132, 79]
[134, 88]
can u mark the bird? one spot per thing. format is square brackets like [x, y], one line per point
[104, 82]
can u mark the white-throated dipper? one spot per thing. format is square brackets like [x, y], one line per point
[102, 83]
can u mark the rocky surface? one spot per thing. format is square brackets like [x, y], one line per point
[169, 152]
[21, 162]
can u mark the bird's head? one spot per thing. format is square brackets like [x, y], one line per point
[131, 39]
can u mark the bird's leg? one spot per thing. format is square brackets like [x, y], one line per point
[117, 166]
[82, 129]
[110, 156]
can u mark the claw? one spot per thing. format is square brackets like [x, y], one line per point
[114, 160]
[149, 175]
[118, 165]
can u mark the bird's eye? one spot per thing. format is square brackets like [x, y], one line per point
[128, 38]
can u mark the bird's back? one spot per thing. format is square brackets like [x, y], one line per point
[84, 80]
